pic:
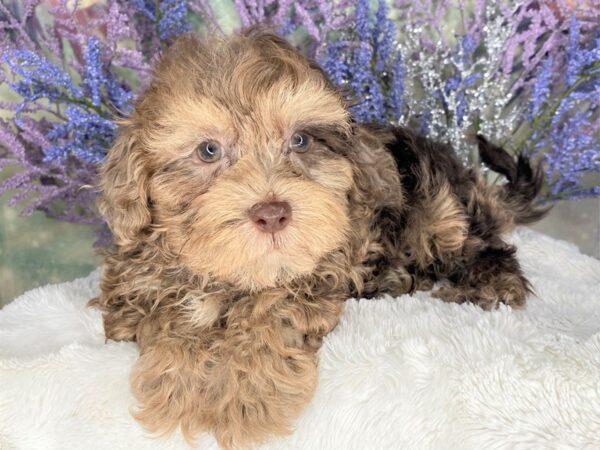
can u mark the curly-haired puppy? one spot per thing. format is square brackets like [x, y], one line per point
[246, 206]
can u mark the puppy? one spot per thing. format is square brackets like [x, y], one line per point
[246, 206]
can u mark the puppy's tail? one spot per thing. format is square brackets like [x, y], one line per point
[524, 180]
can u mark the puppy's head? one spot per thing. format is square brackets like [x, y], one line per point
[235, 153]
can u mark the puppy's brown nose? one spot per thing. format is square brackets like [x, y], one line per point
[271, 217]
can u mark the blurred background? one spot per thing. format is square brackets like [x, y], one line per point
[457, 37]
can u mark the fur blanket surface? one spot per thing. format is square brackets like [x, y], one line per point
[397, 373]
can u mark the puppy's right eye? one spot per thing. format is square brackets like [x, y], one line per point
[299, 142]
[209, 151]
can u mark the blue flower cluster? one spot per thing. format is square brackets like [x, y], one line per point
[94, 73]
[396, 97]
[39, 78]
[147, 8]
[367, 65]
[574, 150]
[171, 16]
[541, 88]
[462, 55]
[366, 88]
[97, 79]
[578, 58]
[384, 35]
[572, 140]
[173, 19]
[336, 67]
[85, 131]
[84, 135]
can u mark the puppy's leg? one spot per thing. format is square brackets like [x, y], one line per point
[169, 379]
[268, 369]
[492, 276]
[242, 381]
[487, 271]
[243, 384]
[261, 383]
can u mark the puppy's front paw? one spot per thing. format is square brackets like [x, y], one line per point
[243, 383]
[264, 380]
[167, 382]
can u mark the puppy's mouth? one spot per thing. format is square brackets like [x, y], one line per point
[271, 242]
[276, 241]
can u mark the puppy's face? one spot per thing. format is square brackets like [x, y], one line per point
[242, 146]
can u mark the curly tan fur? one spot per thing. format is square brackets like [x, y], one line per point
[229, 318]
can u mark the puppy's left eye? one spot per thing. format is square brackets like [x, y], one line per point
[209, 151]
[299, 142]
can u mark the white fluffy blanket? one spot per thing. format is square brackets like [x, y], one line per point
[404, 373]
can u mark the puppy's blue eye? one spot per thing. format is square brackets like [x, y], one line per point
[299, 142]
[209, 151]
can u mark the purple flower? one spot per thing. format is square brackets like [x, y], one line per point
[384, 36]
[578, 58]
[569, 145]
[368, 95]
[573, 147]
[396, 97]
[574, 57]
[173, 19]
[94, 73]
[306, 20]
[469, 44]
[541, 88]
[363, 19]
[84, 135]
[470, 80]
[39, 78]
[455, 84]
[170, 17]
[97, 80]
[287, 27]
[335, 64]
[452, 84]
[462, 107]
[119, 95]
[146, 7]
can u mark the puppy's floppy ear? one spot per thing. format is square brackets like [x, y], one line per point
[124, 187]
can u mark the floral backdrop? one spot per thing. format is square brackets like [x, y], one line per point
[526, 74]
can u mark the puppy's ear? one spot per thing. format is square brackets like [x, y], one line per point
[124, 187]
